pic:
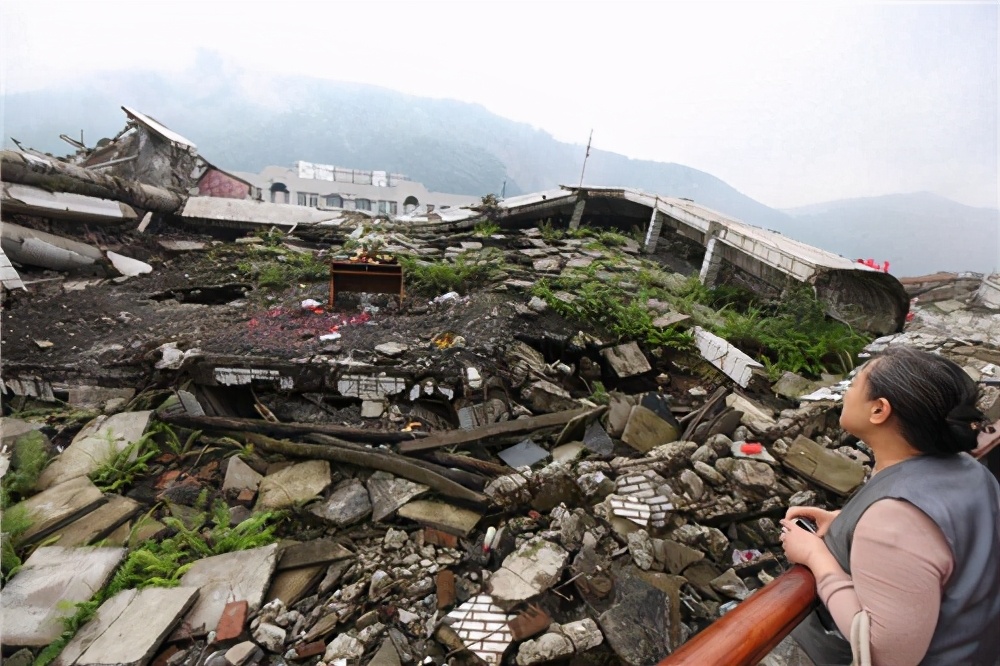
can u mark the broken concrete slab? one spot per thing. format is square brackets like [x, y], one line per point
[791, 386]
[645, 430]
[619, 409]
[596, 439]
[243, 574]
[240, 476]
[734, 363]
[523, 454]
[670, 319]
[372, 409]
[47, 586]
[482, 627]
[348, 504]
[526, 573]
[545, 648]
[392, 349]
[386, 655]
[388, 493]
[94, 445]
[754, 416]
[483, 414]
[98, 397]
[441, 516]
[824, 467]
[129, 627]
[58, 506]
[626, 360]
[11, 429]
[99, 523]
[293, 485]
[637, 626]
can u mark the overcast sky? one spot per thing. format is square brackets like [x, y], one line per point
[791, 103]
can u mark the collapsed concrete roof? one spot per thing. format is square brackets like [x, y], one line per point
[854, 293]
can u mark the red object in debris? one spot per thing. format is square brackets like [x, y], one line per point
[871, 263]
[307, 650]
[534, 515]
[751, 448]
[234, 618]
[910, 316]
[439, 538]
[531, 622]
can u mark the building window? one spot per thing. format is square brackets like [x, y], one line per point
[383, 207]
[308, 199]
[302, 199]
[363, 204]
[279, 193]
[392, 208]
[410, 203]
[335, 201]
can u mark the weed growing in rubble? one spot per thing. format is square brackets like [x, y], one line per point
[439, 277]
[598, 394]
[14, 522]
[162, 563]
[277, 267]
[123, 466]
[486, 229]
[28, 458]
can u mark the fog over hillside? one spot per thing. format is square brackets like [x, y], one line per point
[244, 121]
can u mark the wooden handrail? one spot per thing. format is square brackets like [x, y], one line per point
[744, 635]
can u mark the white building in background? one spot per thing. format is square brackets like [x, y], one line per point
[328, 186]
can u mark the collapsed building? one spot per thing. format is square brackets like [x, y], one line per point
[463, 470]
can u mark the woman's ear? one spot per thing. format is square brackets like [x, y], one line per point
[880, 411]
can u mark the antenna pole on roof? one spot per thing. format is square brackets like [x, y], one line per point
[584, 169]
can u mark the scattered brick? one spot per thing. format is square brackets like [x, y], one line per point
[445, 588]
[246, 497]
[531, 622]
[307, 650]
[439, 538]
[232, 622]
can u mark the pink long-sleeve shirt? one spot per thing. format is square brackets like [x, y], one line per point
[900, 563]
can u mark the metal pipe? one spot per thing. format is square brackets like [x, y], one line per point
[746, 634]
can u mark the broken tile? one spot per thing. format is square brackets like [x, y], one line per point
[635, 510]
[526, 573]
[567, 453]
[372, 409]
[626, 360]
[637, 626]
[240, 476]
[392, 349]
[523, 454]
[233, 621]
[94, 445]
[482, 626]
[548, 647]
[669, 319]
[645, 430]
[293, 485]
[57, 506]
[44, 590]
[442, 516]
[135, 625]
[317, 551]
[307, 650]
[241, 653]
[99, 523]
[734, 363]
[348, 504]
[388, 493]
[291, 585]
[240, 575]
[439, 538]
[368, 387]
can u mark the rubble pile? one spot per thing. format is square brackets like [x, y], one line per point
[463, 477]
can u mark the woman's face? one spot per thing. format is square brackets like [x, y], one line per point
[855, 417]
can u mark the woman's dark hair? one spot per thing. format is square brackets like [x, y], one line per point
[933, 398]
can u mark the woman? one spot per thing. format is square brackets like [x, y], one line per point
[917, 547]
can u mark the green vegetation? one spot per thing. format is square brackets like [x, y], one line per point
[162, 563]
[791, 333]
[486, 229]
[124, 465]
[272, 266]
[28, 458]
[599, 395]
[439, 277]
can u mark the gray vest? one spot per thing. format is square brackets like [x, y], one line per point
[963, 499]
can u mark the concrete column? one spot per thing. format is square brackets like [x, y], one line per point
[713, 262]
[574, 222]
[653, 232]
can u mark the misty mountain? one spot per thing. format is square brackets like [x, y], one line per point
[917, 233]
[245, 121]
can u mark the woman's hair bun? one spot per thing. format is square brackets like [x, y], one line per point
[965, 422]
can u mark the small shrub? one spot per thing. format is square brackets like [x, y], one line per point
[486, 229]
[28, 458]
[434, 278]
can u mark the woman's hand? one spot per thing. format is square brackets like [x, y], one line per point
[821, 517]
[801, 546]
